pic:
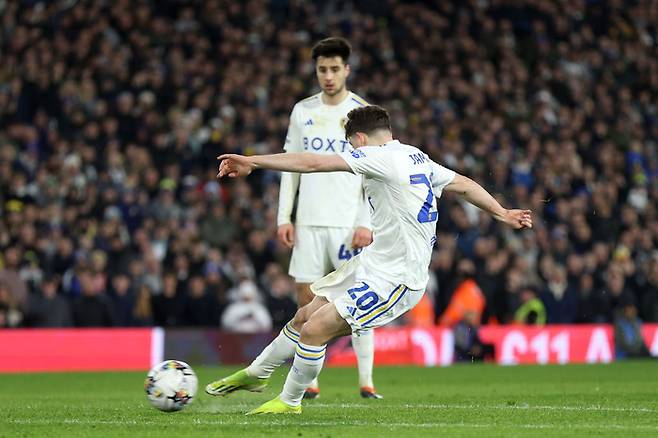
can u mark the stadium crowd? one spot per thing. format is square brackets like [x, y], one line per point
[112, 115]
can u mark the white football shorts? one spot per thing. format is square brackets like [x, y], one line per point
[319, 250]
[365, 300]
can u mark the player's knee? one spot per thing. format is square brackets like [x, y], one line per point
[313, 333]
[299, 319]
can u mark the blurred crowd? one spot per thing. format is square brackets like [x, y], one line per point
[112, 114]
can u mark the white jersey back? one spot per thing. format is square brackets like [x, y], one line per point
[401, 184]
[325, 199]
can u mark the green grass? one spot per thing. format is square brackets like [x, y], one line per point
[620, 399]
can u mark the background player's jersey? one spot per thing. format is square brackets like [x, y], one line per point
[402, 185]
[325, 199]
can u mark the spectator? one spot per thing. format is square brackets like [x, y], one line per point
[92, 308]
[123, 299]
[559, 297]
[629, 342]
[259, 250]
[218, 229]
[246, 314]
[650, 294]
[143, 310]
[586, 309]
[10, 316]
[468, 345]
[614, 290]
[443, 265]
[422, 315]
[531, 310]
[468, 296]
[46, 308]
[14, 285]
[167, 306]
[201, 308]
[4, 316]
[280, 303]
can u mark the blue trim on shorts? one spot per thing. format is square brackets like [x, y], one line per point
[383, 303]
[389, 308]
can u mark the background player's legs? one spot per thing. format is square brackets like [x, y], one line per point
[364, 347]
[283, 346]
[324, 325]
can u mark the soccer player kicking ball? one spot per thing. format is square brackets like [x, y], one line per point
[332, 223]
[383, 282]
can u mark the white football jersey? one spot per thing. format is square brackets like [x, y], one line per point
[325, 199]
[401, 185]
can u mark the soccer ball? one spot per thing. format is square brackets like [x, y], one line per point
[171, 385]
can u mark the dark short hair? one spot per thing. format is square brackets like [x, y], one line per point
[367, 119]
[330, 47]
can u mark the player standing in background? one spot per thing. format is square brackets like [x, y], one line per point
[332, 221]
[383, 282]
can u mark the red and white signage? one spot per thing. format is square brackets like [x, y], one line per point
[550, 344]
[400, 346]
[553, 344]
[33, 350]
[80, 349]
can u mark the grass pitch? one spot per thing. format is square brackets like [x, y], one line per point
[619, 399]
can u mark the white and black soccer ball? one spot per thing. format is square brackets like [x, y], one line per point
[171, 385]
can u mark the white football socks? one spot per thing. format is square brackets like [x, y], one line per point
[275, 354]
[364, 347]
[306, 367]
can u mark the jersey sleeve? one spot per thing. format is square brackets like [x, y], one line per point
[290, 181]
[441, 177]
[294, 135]
[371, 162]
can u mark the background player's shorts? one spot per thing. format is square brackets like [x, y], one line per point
[319, 250]
[363, 299]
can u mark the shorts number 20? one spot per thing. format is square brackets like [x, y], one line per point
[365, 301]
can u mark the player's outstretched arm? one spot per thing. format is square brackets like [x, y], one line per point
[478, 196]
[233, 165]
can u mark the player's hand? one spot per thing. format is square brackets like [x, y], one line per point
[518, 219]
[286, 235]
[233, 165]
[362, 237]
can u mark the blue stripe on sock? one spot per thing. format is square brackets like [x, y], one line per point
[288, 336]
[311, 350]
[309, 358]
[291, 330]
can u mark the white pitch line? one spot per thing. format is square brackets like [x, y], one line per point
[288, 423]
[213, 407]
[591, 408]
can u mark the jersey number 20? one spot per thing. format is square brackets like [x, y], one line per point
[425, 214]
